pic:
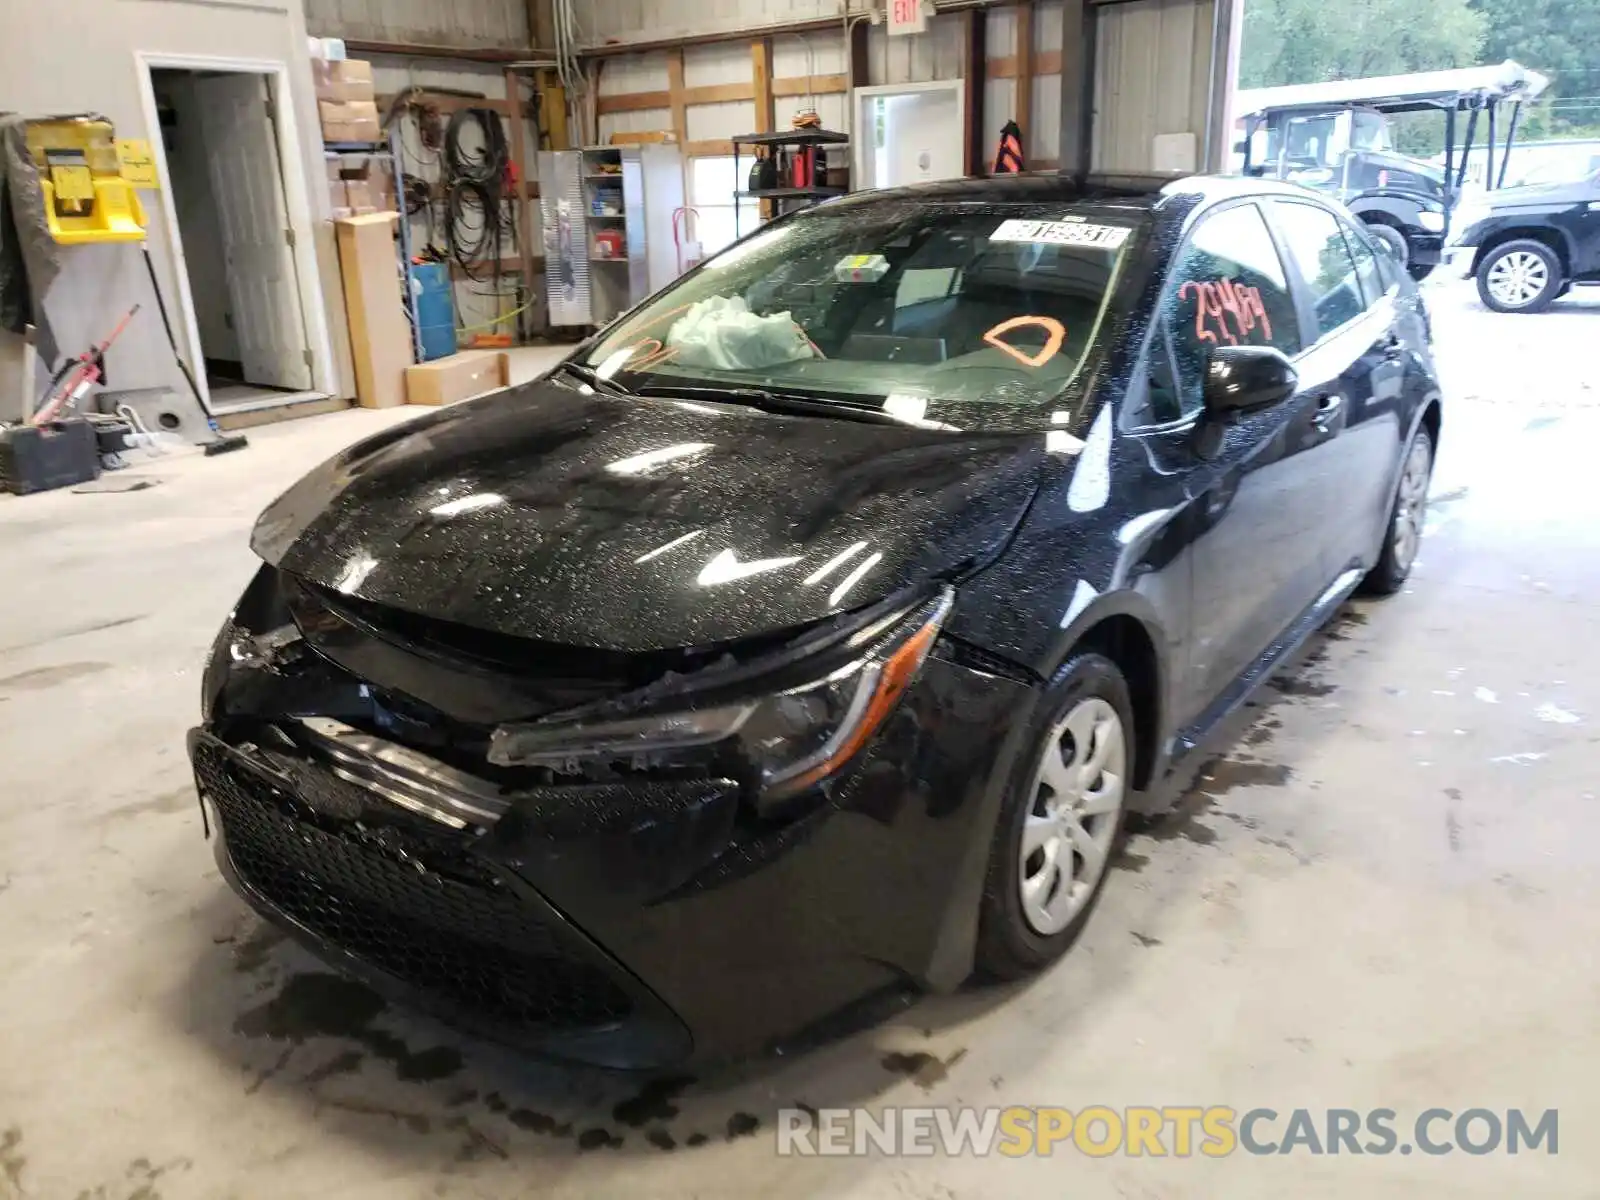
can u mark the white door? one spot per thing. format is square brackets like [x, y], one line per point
[242, 149]
[919, 137]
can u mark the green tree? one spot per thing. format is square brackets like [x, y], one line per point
[1313, 41]
[1560, 38]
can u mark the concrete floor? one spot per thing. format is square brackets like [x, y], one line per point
[1385, 894]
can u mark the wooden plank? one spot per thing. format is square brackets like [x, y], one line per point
[719, 93]
[1009, 66]
[816, 85]
[633, 102]
[761, 74]
[642, 137]
[553, 112]
[522, 207]
[448, 105]
[708, 148]
[487, 54]
[1022, 106]
[485, 270]
[675, 94]
[974, 58]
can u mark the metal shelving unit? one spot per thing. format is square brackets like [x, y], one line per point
[644, 186]
[390, 152]
[809, 138]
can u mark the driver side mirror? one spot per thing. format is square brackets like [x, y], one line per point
[1243, 378]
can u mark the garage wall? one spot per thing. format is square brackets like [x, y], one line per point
[475, 302]
[95, 71]
[1156, 74]
[1154, 77]
[467, 23]
[933, 55]
[624, 20]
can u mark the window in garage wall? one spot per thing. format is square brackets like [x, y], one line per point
[712, 183]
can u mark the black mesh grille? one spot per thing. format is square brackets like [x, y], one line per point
[422, 911]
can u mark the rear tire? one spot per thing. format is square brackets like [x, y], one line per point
[1523, 276]
[1403, 536]
[1061, 822]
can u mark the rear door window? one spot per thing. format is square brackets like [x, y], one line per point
[1373, 282]
[1315, 242]
[1227, 288]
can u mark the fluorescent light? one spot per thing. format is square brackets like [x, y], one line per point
[640, 463]
[833, 564]
[454, 508]
[850, 580]
[725, 568]
[660, 550]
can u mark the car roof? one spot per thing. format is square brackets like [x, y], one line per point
[1147, 192]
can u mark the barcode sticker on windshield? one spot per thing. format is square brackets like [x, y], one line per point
[1061, 233]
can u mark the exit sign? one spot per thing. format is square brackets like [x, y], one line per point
[907, 16]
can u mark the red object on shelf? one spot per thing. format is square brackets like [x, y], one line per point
[608, 243]
[803, 167]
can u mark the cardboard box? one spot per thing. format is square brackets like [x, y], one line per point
[349, 120]
[370, 187]
[380, 334]
[458, 377]
[338, 198]
[361, 196]
[343, 81]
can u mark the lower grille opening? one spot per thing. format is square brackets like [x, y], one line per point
[406, 905]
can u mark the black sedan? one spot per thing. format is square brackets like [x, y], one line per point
[806, 636]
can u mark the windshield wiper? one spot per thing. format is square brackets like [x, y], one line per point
[590, 376]
[787, 403]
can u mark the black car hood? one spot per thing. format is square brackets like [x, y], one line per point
[1553, 195]
[644, 524]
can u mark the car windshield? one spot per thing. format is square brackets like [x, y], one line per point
[1309, 142]
[899, 305]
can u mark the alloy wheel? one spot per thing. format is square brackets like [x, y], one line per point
[1077, 794]
[1411, 506]
[1518, 278]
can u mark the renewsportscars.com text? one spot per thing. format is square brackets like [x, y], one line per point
[1099, 1131]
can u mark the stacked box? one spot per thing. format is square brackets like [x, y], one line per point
[346, 101]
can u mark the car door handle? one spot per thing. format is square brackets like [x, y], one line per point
[1328, 409]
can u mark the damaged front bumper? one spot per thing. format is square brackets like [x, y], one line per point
[642, 920]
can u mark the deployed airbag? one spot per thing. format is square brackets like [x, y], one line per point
[722, 333]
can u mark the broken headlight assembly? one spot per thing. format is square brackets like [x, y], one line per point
[794, 735]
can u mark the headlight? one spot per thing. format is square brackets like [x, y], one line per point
[793, 737]
[1433, 222]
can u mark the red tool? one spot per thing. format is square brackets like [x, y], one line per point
[72, 382]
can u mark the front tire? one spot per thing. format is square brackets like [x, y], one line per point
[1523, 276]
[1061, 820]
[1403, 536]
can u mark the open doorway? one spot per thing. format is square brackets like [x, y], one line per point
[913, 133]
[234, 243]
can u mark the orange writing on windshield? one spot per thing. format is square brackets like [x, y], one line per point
[1055, 334]
[1216, 301]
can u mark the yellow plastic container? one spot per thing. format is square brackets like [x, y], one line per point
[115, 215]
[86, 199]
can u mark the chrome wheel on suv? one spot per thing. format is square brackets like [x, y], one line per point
[1521, 276]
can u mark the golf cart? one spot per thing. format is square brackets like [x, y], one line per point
[1335, 137]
